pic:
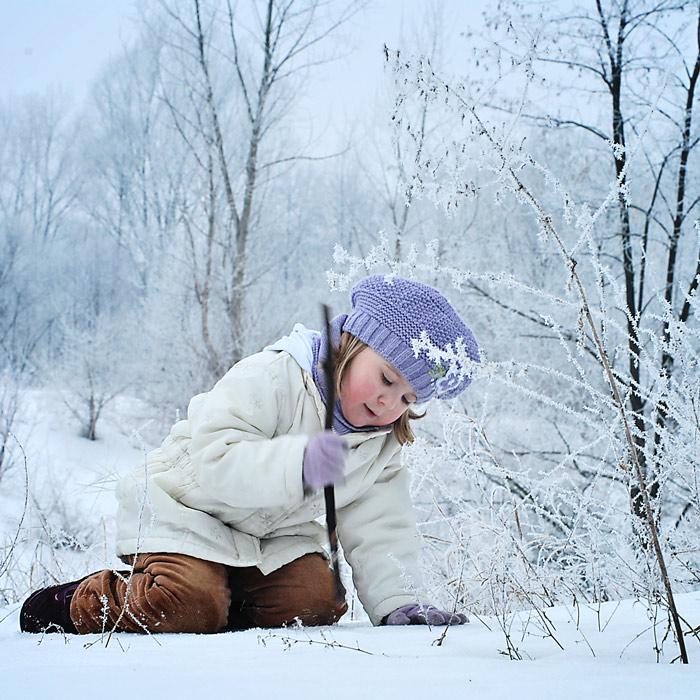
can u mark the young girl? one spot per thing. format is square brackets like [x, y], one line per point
[220, 527]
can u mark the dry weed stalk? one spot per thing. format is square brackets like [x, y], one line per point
[288, 641]
[5, 564]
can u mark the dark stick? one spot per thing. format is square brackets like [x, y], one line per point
[329, 491]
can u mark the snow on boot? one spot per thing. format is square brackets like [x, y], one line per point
[48, 609]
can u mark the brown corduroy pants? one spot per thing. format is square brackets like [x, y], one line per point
[179, 593]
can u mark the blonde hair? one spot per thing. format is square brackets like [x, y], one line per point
[350, 347]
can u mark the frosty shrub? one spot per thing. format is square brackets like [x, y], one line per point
[597, 497]
[584, 489]
[603, 502]
[9, 407]
[507, 530]
[98, 364]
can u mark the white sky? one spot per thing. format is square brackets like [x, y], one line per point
[59, 43]
[62, 44]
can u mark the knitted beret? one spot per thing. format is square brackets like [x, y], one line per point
[413, 327]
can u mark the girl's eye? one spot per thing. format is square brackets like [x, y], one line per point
[387, 381]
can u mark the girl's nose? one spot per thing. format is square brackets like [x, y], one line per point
[386, 400]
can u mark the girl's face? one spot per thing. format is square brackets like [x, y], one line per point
[372, 392]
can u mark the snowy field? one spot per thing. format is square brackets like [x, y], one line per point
[354, 660]
[608, 652]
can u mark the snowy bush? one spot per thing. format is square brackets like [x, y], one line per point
[574, 477]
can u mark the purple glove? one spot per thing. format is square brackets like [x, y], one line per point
[324, 460]
[414, 614]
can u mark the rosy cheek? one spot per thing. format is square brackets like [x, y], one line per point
[349, 391]
[358, 390]
[352, 393]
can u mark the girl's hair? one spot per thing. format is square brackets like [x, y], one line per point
[349, 348]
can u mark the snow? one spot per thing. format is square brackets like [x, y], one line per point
[608, 650]
[403, 662]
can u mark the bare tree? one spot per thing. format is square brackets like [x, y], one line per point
[638, 62]
[229, 87]
[38, 191]
[137, 172]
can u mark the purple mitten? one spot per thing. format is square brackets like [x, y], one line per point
[415, 614]
[324, 460]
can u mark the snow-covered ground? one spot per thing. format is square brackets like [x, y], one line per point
[599, 652]
[354, 660]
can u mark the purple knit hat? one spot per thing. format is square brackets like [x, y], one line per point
[395, 317]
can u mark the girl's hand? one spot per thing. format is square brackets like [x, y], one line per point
[415, 614]
[324, 460]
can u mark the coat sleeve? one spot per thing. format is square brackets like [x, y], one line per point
[380, 542]
[236, 452]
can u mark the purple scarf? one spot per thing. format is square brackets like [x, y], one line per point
[320, 349]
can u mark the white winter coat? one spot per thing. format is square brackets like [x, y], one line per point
[226, 486]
